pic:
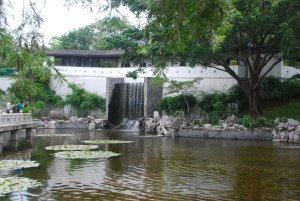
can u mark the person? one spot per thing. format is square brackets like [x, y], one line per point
[20, 106]
[8, 107]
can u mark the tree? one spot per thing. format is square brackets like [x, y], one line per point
[254, 32]
[183, 89]
[23, 49]
[91, 37]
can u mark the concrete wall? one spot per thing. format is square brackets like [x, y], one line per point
[5, 83]
[152, 97]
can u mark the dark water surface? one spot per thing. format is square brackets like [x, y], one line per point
[156, 168]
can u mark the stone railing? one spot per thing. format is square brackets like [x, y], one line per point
[15, 118]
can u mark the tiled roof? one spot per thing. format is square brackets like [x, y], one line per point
[86, 53]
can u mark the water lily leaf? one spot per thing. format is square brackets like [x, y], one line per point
[15, 184]
[85, 154]
[17, 164]
[53, 135]
[71, 147]
[106, 141]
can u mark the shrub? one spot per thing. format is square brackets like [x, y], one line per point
[173, 104]
[83, 100]
[246, 121]
[217, 104]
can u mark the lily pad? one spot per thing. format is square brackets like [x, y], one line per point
[15, 184]
[71, 147]
[53, 135]
[17, 164]
[85, 154]
[106, 141]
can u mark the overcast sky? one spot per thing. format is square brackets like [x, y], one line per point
[59, 19]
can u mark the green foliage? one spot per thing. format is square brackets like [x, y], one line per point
[173, 104]
[274, 89]
[217, 104]
[282, 108]
[246, 121]
[91, 37]
[83, 100]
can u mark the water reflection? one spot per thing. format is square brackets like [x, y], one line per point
[155, 168]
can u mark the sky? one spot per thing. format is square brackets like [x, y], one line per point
[58, 18]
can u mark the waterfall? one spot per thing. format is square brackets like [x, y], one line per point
[127, 102]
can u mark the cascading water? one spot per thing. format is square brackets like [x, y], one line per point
[127, 105]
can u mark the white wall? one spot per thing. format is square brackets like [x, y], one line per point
[94, 79]
[5, 83]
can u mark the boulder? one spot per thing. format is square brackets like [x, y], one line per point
[100, 123]
[156, 116]
[92, 126]
[231, 120]
[284, 136]
[297, 138]
[82, 120]
[291, 136]
[293, 122]
[57, 115]
[90, 119]
[207, 126]
[73, 119]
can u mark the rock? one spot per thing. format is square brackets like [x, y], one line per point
[156, 116]
[82, 120]
[90, 119]
[291, 136]
[277, 120]
[224, 125]
[280, 126]
[276, 135]
[291, 127]
[297, 138]
[73, 119]
[284, 136]
[293, 122]
[196, 127]
[207, 126]
[231, 120]
[92, 126]
[100, 123]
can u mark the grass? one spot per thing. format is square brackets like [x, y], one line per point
[288, 109]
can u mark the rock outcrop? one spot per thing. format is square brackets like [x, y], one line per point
[287, 131]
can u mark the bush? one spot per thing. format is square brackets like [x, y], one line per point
[246, 121]
[83, 100]
[217, 104]
[173, 104]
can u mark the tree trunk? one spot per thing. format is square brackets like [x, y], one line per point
[254, 102]
[188, 109]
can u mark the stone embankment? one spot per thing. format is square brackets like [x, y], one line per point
[74, 122]
[288, 131]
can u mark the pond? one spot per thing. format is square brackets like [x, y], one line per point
[157, 168]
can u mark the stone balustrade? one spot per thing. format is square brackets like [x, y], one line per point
[15, 118]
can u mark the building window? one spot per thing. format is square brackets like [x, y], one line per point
[108, 62]
[182, 63]
[125, 64]
[143, 64]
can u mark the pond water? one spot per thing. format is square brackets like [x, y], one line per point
[158, 168]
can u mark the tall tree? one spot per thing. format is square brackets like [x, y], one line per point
[91, 37]
[258, 33]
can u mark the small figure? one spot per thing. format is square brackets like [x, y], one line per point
[20, 106]
[8, 107]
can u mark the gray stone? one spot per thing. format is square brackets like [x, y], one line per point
[291, 136]
[277, 120]
[280, 126]
[207, 126]
[297, 138]
[284, 136]
[291, 127]
[73, 119]
[224, 125]
[293, 122]
[156, 116]
[90, 119]
[231, 120]
[92, 126]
